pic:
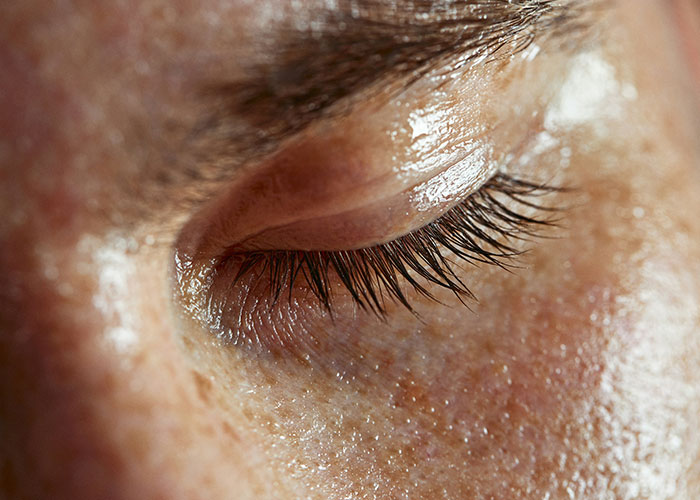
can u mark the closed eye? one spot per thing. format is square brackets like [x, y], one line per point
[480, 230]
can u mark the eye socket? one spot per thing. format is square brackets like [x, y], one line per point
[255, 278]
[402, 160]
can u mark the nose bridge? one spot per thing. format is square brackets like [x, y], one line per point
[50, 385]
[94, 403]
[96, 399]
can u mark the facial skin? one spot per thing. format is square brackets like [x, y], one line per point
[576, 375]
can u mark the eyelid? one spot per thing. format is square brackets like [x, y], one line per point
[381, 220]
[400, 165]
[275, 301]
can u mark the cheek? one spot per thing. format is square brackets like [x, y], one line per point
[575, 375]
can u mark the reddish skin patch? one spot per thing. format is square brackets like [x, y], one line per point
[687, 15]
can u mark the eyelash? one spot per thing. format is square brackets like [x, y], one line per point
[480, 230]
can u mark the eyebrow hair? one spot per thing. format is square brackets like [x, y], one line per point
[346, 50]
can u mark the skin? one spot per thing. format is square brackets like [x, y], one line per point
[576, 376]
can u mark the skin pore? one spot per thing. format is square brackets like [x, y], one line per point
[575, 375]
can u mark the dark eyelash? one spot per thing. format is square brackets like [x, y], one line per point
[481, 230]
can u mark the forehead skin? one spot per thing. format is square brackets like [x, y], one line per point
[576, 377]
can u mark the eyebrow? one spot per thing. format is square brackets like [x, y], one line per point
[346, 50]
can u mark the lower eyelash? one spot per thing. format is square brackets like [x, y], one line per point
[480, 230]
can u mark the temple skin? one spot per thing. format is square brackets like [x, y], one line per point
[577, 376]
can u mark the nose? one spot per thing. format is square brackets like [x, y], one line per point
[96, 397]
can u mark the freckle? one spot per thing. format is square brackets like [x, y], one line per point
[188, 343]
[204, 386]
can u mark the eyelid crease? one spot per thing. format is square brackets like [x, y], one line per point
[388, 208]
[481, 230]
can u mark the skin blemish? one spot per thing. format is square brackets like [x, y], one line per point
[204, 386]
